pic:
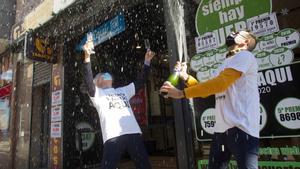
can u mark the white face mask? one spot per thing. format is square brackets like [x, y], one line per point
[235, 38]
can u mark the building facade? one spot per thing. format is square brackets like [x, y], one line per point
[49, 121]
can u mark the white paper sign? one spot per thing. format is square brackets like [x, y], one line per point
[263, 60]
[196, 62]
[263, 24]
[288, 38]
[267, 43]
[56, 113]
[287, 114]
[208, 120]
[203, 74]
[281, 56]
[56, 98]
[206, 42]
[56, 130]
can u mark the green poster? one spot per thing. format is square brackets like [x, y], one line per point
[213, 15]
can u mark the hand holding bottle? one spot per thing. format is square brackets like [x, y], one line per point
[170, 91]
[182, 67]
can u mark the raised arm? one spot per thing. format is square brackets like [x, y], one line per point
[142, 76]
[88, 74]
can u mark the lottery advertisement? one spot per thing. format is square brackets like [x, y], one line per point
[275, 55]
[279, 105]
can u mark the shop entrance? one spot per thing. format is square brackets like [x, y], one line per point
[123, 57]
[40, 127]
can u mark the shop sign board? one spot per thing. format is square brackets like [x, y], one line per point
[203, 164]
[279, 105]
[105, 31]
[60, 5]
[40, 49]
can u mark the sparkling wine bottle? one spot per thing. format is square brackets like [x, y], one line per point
[173, 79]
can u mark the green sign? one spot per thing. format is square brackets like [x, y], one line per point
[203, 164]
[226, 15]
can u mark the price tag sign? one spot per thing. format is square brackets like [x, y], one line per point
[263, 24]
[208, 120]
[263, 60]
[196, 62]
[206, 42]
[288, 38]
[287, 113]
[203, 74]
[281, 56]
[267, 43]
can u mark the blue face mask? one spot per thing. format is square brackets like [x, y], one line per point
[106, 76]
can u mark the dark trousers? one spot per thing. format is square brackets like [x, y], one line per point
[236, 142]
[133, 144]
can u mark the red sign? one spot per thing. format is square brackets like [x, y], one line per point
[5, 91]
[139, 106]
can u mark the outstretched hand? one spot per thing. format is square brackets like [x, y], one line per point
[87, 48]
[149, 56]
[171, 91]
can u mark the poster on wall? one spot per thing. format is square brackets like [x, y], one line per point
[279, 104]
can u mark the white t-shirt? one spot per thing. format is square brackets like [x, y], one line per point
[238, 106]
[116, 115]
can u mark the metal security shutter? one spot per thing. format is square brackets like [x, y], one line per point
[41, 73]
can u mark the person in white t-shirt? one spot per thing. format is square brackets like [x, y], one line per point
[120, 130]
[237, 103]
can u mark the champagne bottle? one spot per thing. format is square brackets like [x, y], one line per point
[173, 79]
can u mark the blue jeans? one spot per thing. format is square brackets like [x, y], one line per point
[236, 142]
[115, 147]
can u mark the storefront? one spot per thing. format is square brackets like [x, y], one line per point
[5, 103]
[54, 125]
[278, 55]
[120, 49]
